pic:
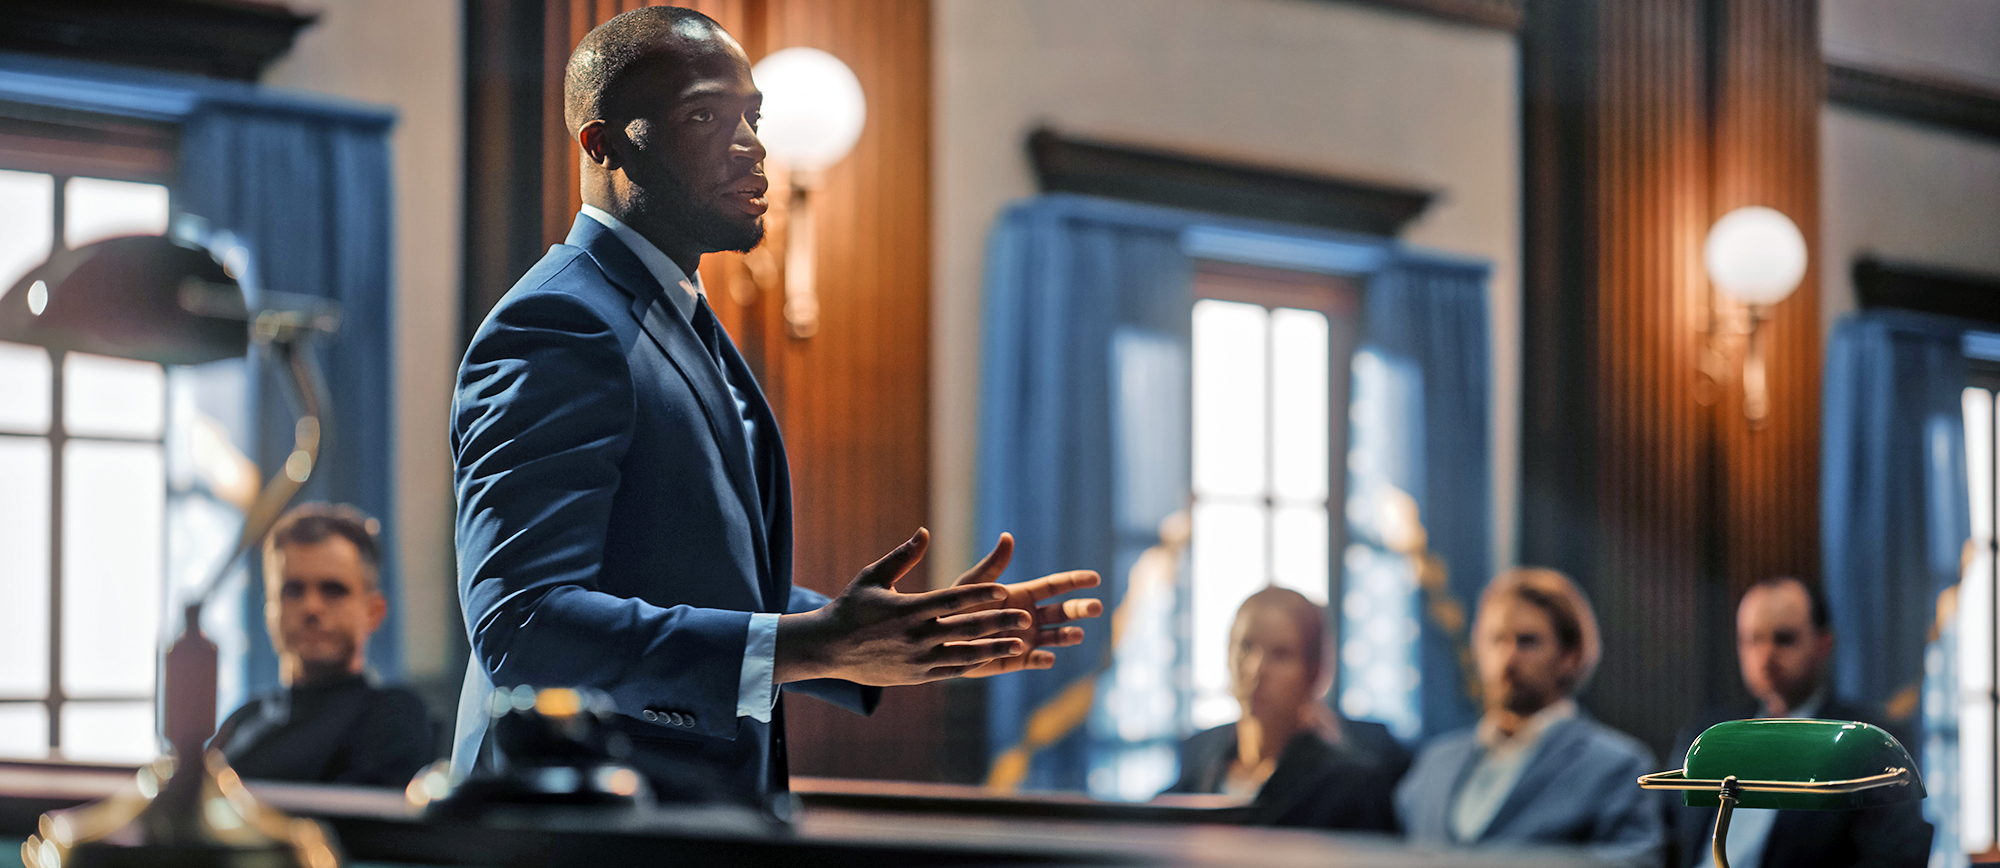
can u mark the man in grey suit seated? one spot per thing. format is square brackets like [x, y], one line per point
[1536, 770]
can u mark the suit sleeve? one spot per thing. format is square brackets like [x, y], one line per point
[857, 698]
[1627, 830]
[540, 425]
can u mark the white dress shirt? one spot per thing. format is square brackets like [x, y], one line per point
[1750, 828]
[756, 687]
[1500, 768]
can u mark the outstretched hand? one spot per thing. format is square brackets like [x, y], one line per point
[1045, 630]
[874, 634]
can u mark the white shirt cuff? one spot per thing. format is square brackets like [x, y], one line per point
[756, 688]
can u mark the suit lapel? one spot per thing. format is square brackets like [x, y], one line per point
[1555, 748]
[676, 338]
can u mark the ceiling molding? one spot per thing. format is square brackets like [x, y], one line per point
[1065, 164]
[1499, 14]
[1923, 98]
[1882, 283]
[234, 39]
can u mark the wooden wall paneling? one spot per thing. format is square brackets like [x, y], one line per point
[856, 396]
[1651, 192]
[1676, 110]
[1767, 114]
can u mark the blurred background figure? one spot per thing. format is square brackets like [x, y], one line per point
[1535, 770]
[1784, 640]
[1298, 762]
[330, 723]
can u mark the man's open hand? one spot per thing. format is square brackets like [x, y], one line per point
[1044, 631]
[873, 634]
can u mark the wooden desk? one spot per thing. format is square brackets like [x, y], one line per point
[842, 823]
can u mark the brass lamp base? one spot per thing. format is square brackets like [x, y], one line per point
[179, 817]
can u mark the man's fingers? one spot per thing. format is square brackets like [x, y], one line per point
[1068, 610]
[975, 652]
[894, 565]
[1058, 637]
[979, 625]
[1058, 583]
[945, 601]
[990, 567]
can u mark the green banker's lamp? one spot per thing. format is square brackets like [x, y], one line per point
[170, 300]
[1790, 764]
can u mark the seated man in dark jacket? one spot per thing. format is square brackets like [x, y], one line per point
[1303, 766]
[329, 724]
[1783, 642]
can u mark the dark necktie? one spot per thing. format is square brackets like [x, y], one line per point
[709, 331]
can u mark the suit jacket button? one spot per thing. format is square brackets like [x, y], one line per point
[689, 717]
[674, 718]
[650, 716]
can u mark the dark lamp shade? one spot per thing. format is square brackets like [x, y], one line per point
[1796, 751]
[146, 297]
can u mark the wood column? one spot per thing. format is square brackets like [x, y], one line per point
[1644, 121]
[853, 400]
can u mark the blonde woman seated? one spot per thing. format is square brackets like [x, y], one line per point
[1299, 763]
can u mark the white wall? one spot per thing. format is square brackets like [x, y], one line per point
[407, 54]
[1333, 87]
[1899, 189]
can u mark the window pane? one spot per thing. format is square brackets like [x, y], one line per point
[24, 730]
[1299, 367]
[95, 209]
[107, 397]
[1228, 561]
[27, 224]
[25, 375]
[1229, 413]
[113, 500]
[1299, 550]
[109, 732]
[24, 569]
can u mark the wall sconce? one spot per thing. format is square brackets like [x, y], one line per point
[1757, 256]
[813, 113]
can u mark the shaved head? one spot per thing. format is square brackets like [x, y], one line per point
[597, 68]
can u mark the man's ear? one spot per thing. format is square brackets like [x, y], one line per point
[594, 137]
[378, 610]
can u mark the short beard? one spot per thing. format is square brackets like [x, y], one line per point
[673, 205]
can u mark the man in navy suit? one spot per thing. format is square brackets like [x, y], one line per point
[624, 503]
[1784, 639]
[1537, 770]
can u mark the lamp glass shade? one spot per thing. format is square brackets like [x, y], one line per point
[813, 107]
[1798, 751]
[1755, 255]
[146, 297]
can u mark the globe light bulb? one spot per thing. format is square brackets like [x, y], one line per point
[813, 108]
[1755, 255]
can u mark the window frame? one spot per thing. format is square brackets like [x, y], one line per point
[1339, 297]
[65, 145]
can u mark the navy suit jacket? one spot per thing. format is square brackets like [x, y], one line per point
[1889, 836]
[1580, 787]
[615, 530]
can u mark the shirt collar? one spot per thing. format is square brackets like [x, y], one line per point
[1531, 729]
[658, 264]
[1810, 707]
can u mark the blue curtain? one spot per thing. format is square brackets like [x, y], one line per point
[1084, 422]
[304, 182]
[1428, 315]
[309, 195]
[1893, 502]
[1061, 281]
